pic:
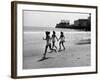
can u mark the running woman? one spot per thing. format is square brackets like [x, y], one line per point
[62, 40]
[54, 38]
[48, 43]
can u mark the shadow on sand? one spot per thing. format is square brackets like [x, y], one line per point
[87, 41]
[42, 59]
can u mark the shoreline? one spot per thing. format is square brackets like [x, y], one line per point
[39, 29]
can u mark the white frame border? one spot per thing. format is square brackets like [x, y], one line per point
[35, 72]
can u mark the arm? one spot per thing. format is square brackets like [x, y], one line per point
[57, 38]
[64, 38]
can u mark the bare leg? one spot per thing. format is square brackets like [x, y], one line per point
[53, 45]
[51, 48]
[63, 45]
[45, 51]
[59, 45]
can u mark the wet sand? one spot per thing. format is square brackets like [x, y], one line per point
[75, 55]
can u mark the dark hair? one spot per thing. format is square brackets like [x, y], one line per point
[47, 32]
[53, 32]
[62, 35]
[61, 32]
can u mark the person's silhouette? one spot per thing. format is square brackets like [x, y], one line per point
[48, 43]
[54, 37]
[62, 40]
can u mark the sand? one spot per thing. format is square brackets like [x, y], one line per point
[75, 55]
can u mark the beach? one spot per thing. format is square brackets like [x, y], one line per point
[76, 54]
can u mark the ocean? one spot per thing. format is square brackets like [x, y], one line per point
[37, 29]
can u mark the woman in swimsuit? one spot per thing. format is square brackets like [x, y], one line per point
[48, 43]
[62, 40]
[54, 37]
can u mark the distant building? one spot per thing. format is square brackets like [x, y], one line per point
[80, 24]
[63, 24]
[83, 23]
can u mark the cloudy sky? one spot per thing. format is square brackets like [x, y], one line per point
[50, 19]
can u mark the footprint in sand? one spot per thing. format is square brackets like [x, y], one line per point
[78, 58]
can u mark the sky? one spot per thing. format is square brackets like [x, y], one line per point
[50, 19]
